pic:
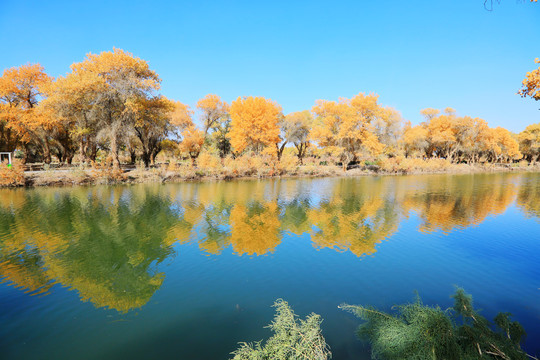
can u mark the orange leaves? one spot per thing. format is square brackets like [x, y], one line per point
[23, 85]
[254, 123]
[21, 89]
[529, 142]
[213, 110]
[193, 140]
[415, 139]
[116, 65]
[181, 116]
[531, 83]
[506, 142]
[347, 127]
[449, 136]
[429, 113]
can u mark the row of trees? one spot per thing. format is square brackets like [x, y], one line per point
[111, 102]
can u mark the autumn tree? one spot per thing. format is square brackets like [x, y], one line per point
[152, 125]
[180, 119]
[531, 83]
[21, 89]
[215, 117]
[220, 137]
[473, 138]
[529, 142]
[506, 147]
[124, 80]
[295, 129]
[254, 124]
[347, 128]
[429, 113]
[184, 130]
[72, 100]
[414, 139]
[192, 142]
[389, 129]
[213, 112]
[442, 136]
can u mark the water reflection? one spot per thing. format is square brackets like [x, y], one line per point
[107, 242]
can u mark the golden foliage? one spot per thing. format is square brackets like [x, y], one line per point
[347, 128]
[21, 90]
[529, 142]
[254, 123]
[213, 111]
[531, 83]
[181, 116]
[192, 142]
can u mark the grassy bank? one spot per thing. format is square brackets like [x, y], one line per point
[228, 169]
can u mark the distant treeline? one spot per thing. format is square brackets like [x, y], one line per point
[108, 109]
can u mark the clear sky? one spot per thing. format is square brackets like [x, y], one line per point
[414, 54]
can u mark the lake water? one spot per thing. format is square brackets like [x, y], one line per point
[186, 271]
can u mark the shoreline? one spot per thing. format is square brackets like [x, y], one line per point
[91, 177]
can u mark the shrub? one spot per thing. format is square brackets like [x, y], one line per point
[293, 339]
[288, 164]
[418, 331]
[209, 163]
[401, 164]
[11, 175]
[104, 172]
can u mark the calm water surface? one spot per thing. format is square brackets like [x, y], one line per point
[185, 271]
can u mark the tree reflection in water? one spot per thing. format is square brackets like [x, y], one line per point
[107, 242]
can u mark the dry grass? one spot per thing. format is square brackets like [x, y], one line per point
[210, 166]
[403, 165]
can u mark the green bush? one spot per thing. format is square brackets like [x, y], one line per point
[292, 340]
[418, 331]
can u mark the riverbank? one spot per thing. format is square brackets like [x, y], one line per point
[165, 173]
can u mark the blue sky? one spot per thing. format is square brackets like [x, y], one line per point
[414, 54]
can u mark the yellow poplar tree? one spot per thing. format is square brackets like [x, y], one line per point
[213, 111]
[254, 123]
[531, 83]
[21, 90]
[125, 79]
[529, 142]
[346, 128]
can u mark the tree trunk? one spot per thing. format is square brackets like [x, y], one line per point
[46, 150]
[155, 153]
[92, 149]
[26, 153]
[146, 158]
[132, 156]
[301, 151]
[82, 153]
[114, 149]
[280, 150]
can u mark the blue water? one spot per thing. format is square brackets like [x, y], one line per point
[187, 271]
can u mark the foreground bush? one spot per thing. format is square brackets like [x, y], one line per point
[418, 331]
[11, 175]
[293, 339]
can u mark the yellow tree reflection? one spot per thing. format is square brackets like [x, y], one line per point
[255, 228]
